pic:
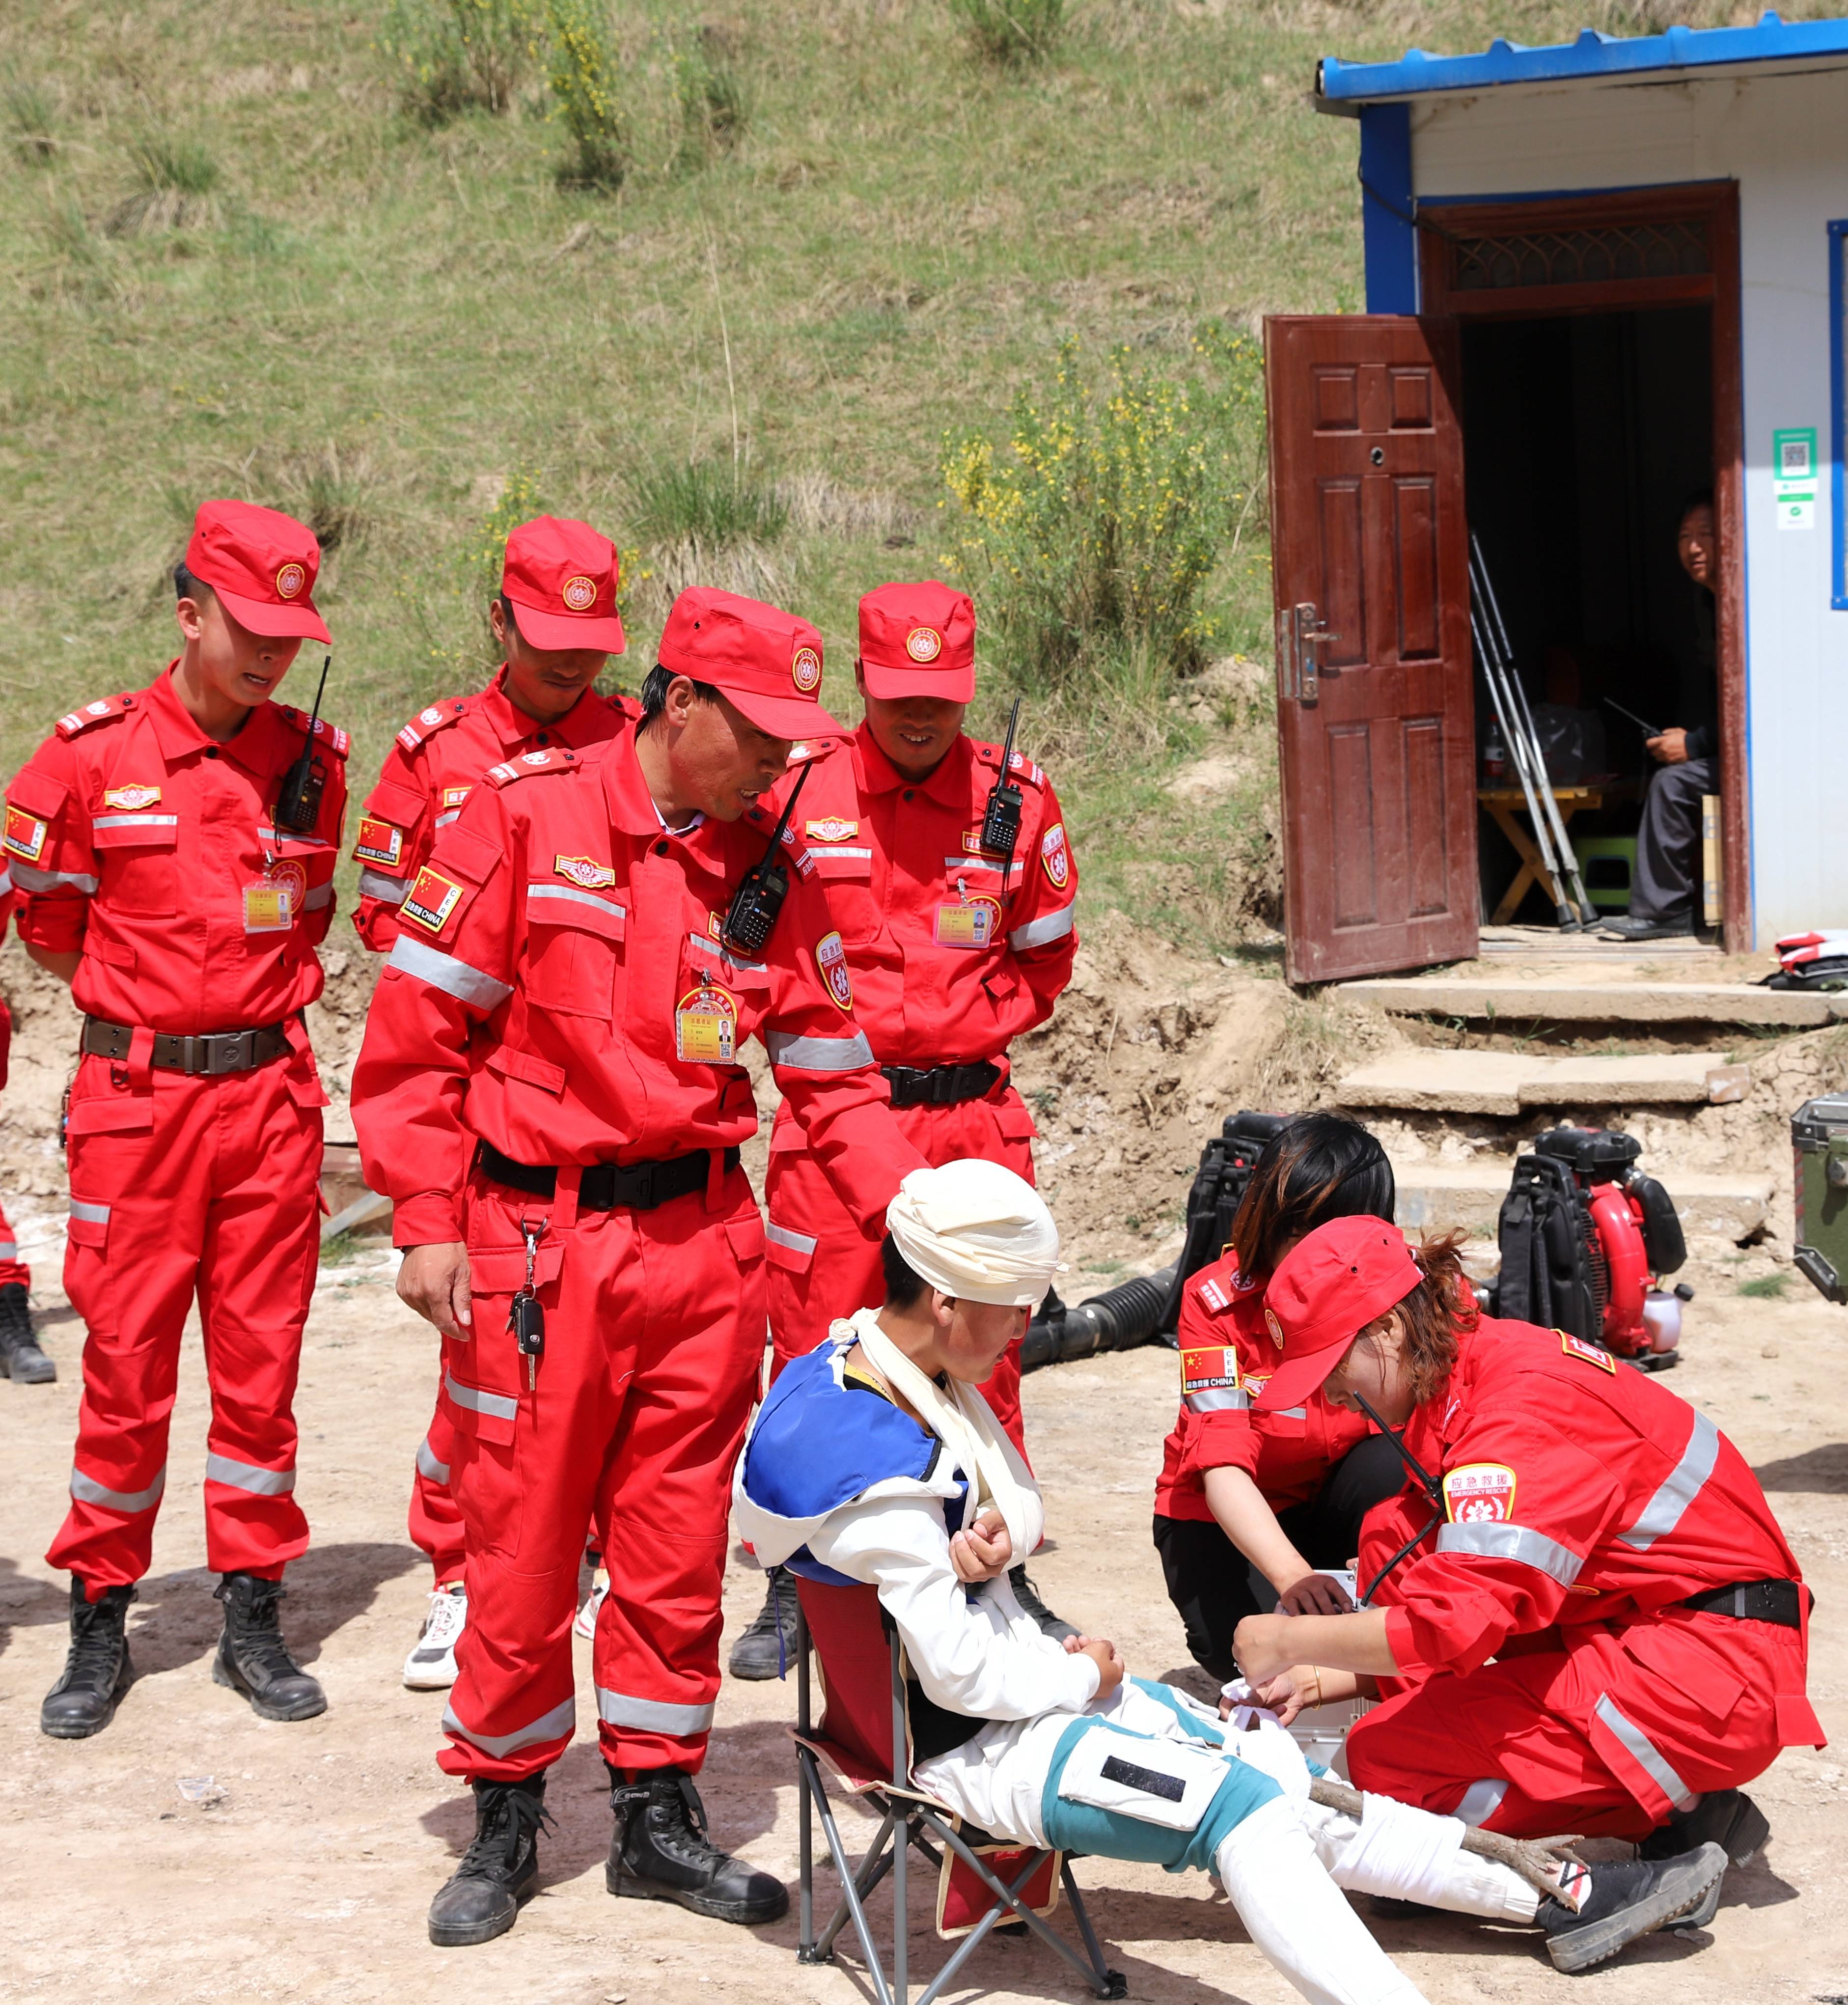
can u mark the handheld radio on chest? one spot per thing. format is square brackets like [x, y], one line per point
[758, 898]
[298, 806]
[1001, 819]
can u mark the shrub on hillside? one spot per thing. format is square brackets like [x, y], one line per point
[453, 56]
[1011, 31]
[582, 77]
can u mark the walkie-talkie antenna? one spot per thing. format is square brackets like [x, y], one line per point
[759, 897]
[298, 805]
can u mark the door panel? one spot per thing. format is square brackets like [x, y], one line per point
[1375, 723]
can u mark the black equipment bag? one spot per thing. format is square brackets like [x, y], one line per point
[1220, 1187]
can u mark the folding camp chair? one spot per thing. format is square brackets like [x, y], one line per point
[864, 1738]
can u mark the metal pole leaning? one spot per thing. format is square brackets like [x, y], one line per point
[1518, 749]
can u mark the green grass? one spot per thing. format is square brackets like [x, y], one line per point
[1767, 1287]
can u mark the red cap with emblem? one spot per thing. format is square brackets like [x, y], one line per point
[262, 564]
[1325, 1291]
[918, 640]
[562, 576]
[767, 662]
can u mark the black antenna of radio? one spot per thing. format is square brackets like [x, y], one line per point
[298, 806]
[758, 898]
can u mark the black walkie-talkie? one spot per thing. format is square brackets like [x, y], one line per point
[298, 806]
[1001, 819]
[758, 899]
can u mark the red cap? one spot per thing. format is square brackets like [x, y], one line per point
[918, 640]
[1326, 1291]
[262, 564]
[769, 662]
[562, 575]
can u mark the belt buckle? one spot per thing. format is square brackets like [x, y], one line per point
[643, 1200]
[194, 1057]
[236, 1050]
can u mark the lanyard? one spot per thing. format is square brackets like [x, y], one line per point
[1425, 1480]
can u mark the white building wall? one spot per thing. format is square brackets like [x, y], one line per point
[1783, 138]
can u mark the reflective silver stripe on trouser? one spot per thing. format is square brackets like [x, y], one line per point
[652, 1715]
[388, 890]
[428, 1467]
[5, 878]
[496, 1405]
[87, 1490]
[1480, 1801]
[318, 895]
[1221, 1399]
[247, 1476]
[1648, 1756]
[89, 1214]
[1513, 1542]
[30, 879]
[443, 971]
[9, 1249]
[556, 1724]
[1048, 926]
[797, 1242]
[1664, 1511]
[819, 1054]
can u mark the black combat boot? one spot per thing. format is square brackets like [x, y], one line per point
[660, 1852]
[768, 1648]
[97, 1671]
[1028, 1596]
[1626, 1898]
[20, 1357]
[1727, 1818]
[252, 1657]
[500, 1870]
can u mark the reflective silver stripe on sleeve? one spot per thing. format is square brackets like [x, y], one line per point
[443, 820]
[651, 1715]
[1480, 1801]
[428, 1467]
[1664, 1511]
[819, 1054]
[136, 821]
[556, 1724]
[30, 879]
[1220, 1399]
[1048, 926]
[1513, 1542]
[1647, 1755]
[443, 971]
[88, 1214]
[86, 1489]
[496, 1405]
[5, 878]
[388, 890]
[246, 1476]
[318, 895]
[9, 1249]
[797, 1242]
[572, 896]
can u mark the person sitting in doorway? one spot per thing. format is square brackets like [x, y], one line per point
[1667, 873]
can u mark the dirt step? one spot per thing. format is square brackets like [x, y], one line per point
[1420, 1081]
[1571, 999]
[1441, 1197]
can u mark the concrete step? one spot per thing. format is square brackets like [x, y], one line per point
[1570, 998]
[1421, 1081]
[1443, 1197]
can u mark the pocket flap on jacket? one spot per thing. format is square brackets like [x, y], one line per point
[152, 830]
[565, 905]
[402, 806]
[534, 1071]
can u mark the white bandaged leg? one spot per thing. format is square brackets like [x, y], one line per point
[1409, 1855]
[1292, 1911]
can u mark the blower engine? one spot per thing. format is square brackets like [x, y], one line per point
[1587, 1239]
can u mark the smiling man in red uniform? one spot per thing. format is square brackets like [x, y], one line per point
[550, 1091]
[162, 880]
[955, 951]
[557, 620]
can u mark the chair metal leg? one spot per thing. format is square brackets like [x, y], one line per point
[1109, 1983]
[850, 1892]
[805, 1814]
[971, 1943]
[901, 1850]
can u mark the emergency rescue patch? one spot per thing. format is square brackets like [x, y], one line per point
[584, 870]
[25, 834]
[379, 842]
[1587, 1354]
[1055, 858]
[1212, 1293]
[289, 580]
[1479, 1493]
[831, 958]
[831, 828]
[130, 800]
[431, 899]
[1213, 1367]
[95, 713]
[452, 797]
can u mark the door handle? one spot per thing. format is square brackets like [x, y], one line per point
[1301, 631]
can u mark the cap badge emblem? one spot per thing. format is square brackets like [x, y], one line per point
[579, 594]
[289, 581]
[805, 670]
[1274, 1326]
[923, 643]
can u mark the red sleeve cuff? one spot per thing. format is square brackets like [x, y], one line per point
[56, 924]
[1398, 1639]
[431, 1218]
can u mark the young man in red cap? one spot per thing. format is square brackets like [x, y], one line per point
[550, 1091]
[175, 848]
[556, 620]
[957, 948]
[21, 1360]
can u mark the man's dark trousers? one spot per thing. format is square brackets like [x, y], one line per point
[1667, 877]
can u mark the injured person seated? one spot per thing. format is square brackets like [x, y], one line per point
[875, 1462]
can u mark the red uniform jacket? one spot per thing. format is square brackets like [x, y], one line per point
[434, 762]
[949, 964]
[136, 838]
[1227, 1356]
[1578, 1492]
[559, 989]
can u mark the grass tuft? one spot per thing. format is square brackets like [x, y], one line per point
[1007, 32]
[450, 57]
[175, 187]
[708, 501]
[1767, 1287]
[30, 113]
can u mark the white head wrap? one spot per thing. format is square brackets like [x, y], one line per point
[975, 1231]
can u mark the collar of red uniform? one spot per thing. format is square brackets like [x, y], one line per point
[514, 728]
[177, 734]
[631, 805]
[948, 784]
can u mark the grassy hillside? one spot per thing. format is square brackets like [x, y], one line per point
[240, 266]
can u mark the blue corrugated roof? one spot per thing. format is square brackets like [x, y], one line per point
[1592, 55]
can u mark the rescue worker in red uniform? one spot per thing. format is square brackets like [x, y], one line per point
[1597, 1536]
[555, 619]
[957, 949]
[21, 1360]
[175, 848]
[563, 1017]
[1246, 1501]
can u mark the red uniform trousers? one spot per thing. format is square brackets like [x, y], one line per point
[1605, 1735]
[654, 1328]
[11, 1267]
[436, 1518]
[822, 1267]
[219, 1198]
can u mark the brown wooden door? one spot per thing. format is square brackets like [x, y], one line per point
[1375, 714]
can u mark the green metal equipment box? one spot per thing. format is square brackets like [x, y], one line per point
[1819, 1137]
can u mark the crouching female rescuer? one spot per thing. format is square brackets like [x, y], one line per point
[1600, 1539]
[875, 1460]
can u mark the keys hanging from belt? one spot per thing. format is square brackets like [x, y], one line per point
[526, 1314]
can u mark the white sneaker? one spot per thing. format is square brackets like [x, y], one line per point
[432, 1665]
[585, 1625]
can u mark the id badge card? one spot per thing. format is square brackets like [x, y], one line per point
[974, 924]
[268, 907]
[705, 1026]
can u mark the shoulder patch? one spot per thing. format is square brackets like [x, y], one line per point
[1479, 1493]
[1214, 1295]
[1212, 1367]
[1019, 766]
[433, 717]
[101, 711]
[329, 736]
[1587, 1354]
[549, 759]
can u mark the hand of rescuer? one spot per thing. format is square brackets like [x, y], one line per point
[1314, 1594]
[1111, 1669]
[1266, 1645]
[434, 1280]
[983, 1551]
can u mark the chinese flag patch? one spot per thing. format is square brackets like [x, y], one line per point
[25, 834]
[431, 899]
[379, 842]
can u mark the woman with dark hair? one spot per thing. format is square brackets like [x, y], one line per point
[1248, 1509]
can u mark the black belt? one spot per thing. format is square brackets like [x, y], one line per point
[604, 1186]
[939, 1086]
[216, 1051]
[1779, 1601]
